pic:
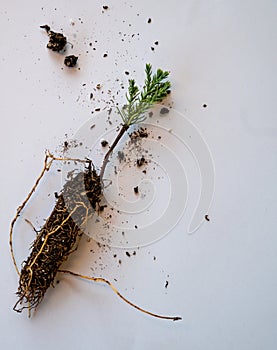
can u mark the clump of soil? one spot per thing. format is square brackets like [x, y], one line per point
[141, 161]
[104, 143]
[70, 61]
[57, 41]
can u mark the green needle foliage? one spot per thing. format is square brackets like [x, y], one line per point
[156, 87]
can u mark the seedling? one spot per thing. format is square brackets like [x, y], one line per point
[79, 199]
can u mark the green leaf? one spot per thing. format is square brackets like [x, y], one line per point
[155, 88]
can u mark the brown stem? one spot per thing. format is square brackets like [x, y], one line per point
[106, 158]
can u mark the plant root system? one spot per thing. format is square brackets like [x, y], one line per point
[59, 236]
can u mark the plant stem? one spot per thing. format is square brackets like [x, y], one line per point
[106, 158]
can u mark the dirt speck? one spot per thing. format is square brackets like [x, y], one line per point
[164, 110]
[104, 143]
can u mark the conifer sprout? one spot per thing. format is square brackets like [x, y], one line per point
[60, 235]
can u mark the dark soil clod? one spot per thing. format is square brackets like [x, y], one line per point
[141, 161]
[57, 41]
[70, 61]
[104, 143]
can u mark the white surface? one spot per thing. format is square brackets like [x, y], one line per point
[222, 279]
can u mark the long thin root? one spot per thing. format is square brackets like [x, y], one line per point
[103, 280]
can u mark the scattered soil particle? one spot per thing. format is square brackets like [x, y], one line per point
[166, 284]
[128, 254]
[104, 143]
[136, 190]
[120, 156]
[205, 105]
[152, 48]
[156, 43]
[150, 114]
[126, 72]
[92, 126]
[105, 55]
[149, 20]
[102, 207]
[70, 61]
[91, 96]
[164, 110]
[136, 226]
[141, 161]
[105, 7]
[207, 218]
[142, 132]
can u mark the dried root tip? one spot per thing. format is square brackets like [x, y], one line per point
[103, 280]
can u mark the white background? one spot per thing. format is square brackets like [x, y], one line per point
[222, 279]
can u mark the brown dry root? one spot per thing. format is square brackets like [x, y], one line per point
[103, 280]
[58, 238]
